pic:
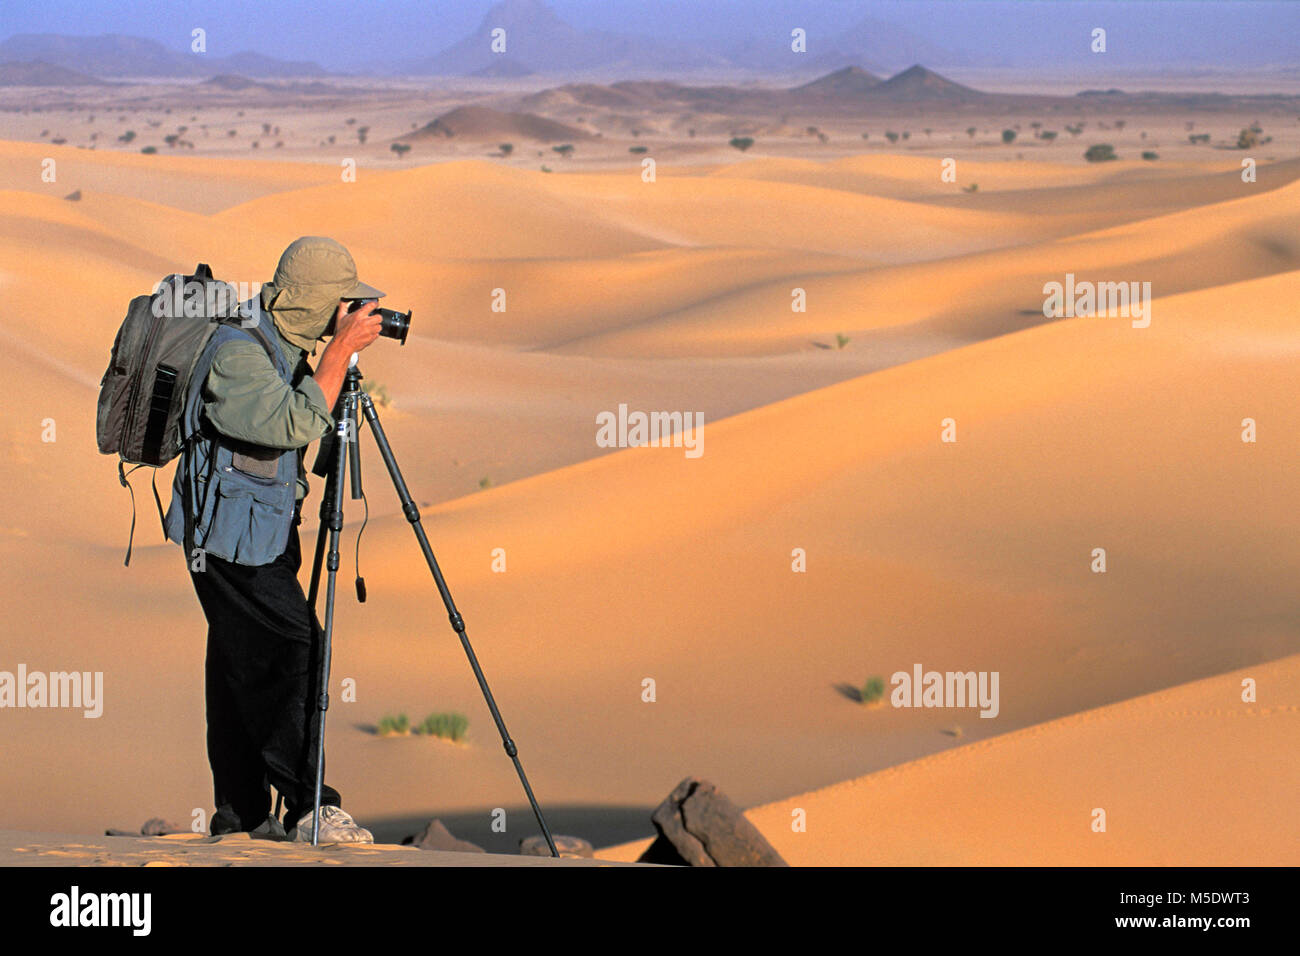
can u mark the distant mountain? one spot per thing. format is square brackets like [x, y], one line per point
[480, 122]
[917, 83]
[503, 68]
[258, 64]
[539, 41]
[846, 90]
[585, 94]
[234, 83]
[231, 81]
[654, 95]
[37, 73]
[850, 81]
[117, 55]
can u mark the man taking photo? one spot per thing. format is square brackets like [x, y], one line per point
[238, 490]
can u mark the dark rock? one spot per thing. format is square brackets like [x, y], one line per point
[157, 826]
[569, 846]
[435, 836]
[699, 826]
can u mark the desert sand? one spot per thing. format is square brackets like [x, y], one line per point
[238, 849]
[1029, 798]
[633, 563]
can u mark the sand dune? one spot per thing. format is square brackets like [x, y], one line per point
[973, 296]
[631, 563]
[914, 177]
[1185, 776]
[992, 577]
[183, 182]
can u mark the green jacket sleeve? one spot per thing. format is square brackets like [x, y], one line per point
[245, 398]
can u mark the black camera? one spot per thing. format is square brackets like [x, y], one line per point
[395, 325]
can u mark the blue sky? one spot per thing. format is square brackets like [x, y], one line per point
[344, 34]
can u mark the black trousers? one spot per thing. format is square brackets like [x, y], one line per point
[262, 671]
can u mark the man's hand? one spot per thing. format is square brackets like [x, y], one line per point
[353, 331]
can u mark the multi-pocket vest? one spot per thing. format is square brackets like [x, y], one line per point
[230, 499]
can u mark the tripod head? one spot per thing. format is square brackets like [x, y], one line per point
[346, 423]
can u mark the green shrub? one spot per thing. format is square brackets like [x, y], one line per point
[149, 150]
[742, 143]
[841, 340]
[1100, 153]
[1008, 136]
[390, 726]
[447, 726]
[873, 690]
[1148, 154]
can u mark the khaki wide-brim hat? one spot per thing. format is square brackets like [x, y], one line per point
[319, 261]
[313, 275]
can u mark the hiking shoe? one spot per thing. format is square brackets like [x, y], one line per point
[336, 826]
[272, 829]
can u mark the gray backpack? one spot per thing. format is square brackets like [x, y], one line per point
[143, 392]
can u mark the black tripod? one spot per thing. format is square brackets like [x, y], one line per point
[333, 464]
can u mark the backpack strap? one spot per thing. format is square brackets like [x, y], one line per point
[153, 483]
[200, 376]
[256, 331]
[188, 504]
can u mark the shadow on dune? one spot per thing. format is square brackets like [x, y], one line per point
[849, 691]
[599, 825]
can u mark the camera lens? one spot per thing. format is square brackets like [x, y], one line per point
[395, 325]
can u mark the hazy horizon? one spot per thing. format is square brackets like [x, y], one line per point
[1032, 35]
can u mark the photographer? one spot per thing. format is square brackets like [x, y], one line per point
[246, 481]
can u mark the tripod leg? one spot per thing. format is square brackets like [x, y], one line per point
[457, 622]
[321, 532]
[335, 522]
